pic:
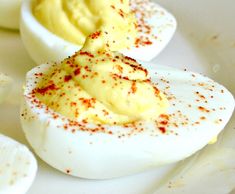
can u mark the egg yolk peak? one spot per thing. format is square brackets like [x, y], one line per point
[101, 86]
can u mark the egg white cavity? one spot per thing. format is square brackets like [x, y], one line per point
[10, 13]
[5, 86]
[199, 109]
[17, 167]
[44, 46]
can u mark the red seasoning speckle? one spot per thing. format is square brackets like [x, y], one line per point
[144, 10]
[203, 109]
[44, 90]
[67, 78]
[86, 53]
[77, 71]
[162, 129]
[95, 35]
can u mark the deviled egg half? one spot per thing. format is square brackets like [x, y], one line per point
[53, 30]
[99, 114]
[18, 167]
[10, 13]
[17, 164]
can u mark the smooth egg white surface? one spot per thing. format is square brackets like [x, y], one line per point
[10, 13]
[17, 167]
[199, 109]
[44, 46]
[5, 86]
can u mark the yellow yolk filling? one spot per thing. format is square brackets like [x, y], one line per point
[74, 20]
[100, 86]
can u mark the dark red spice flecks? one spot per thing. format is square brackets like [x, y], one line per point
[121, 13]
[129, 58]
[77, 71]
[120, 68]
[38, 74]
[95, 35]
[144, 10]
[148, 42]
[88, 102]
[163, 122]
[67, 78]
[133, 87]
[162, 129]
[156, 90]
[203, 109]
[86, 53]
[73, 104]
[45, 89]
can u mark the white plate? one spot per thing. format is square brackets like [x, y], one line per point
[204, 43]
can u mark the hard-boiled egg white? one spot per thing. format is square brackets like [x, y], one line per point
[17, 167]
[5, 86]
[44, 46]
[10, 13]
[199, 109]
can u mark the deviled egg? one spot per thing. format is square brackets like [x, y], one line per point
[17, 167]
[53, 30]
[10, 13]
[99, 114]
[17, 164]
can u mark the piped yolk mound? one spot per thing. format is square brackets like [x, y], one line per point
[99, 86]
[74, 20]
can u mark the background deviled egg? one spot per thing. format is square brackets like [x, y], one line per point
[17, 167]
[10, 13]
[156, 27]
